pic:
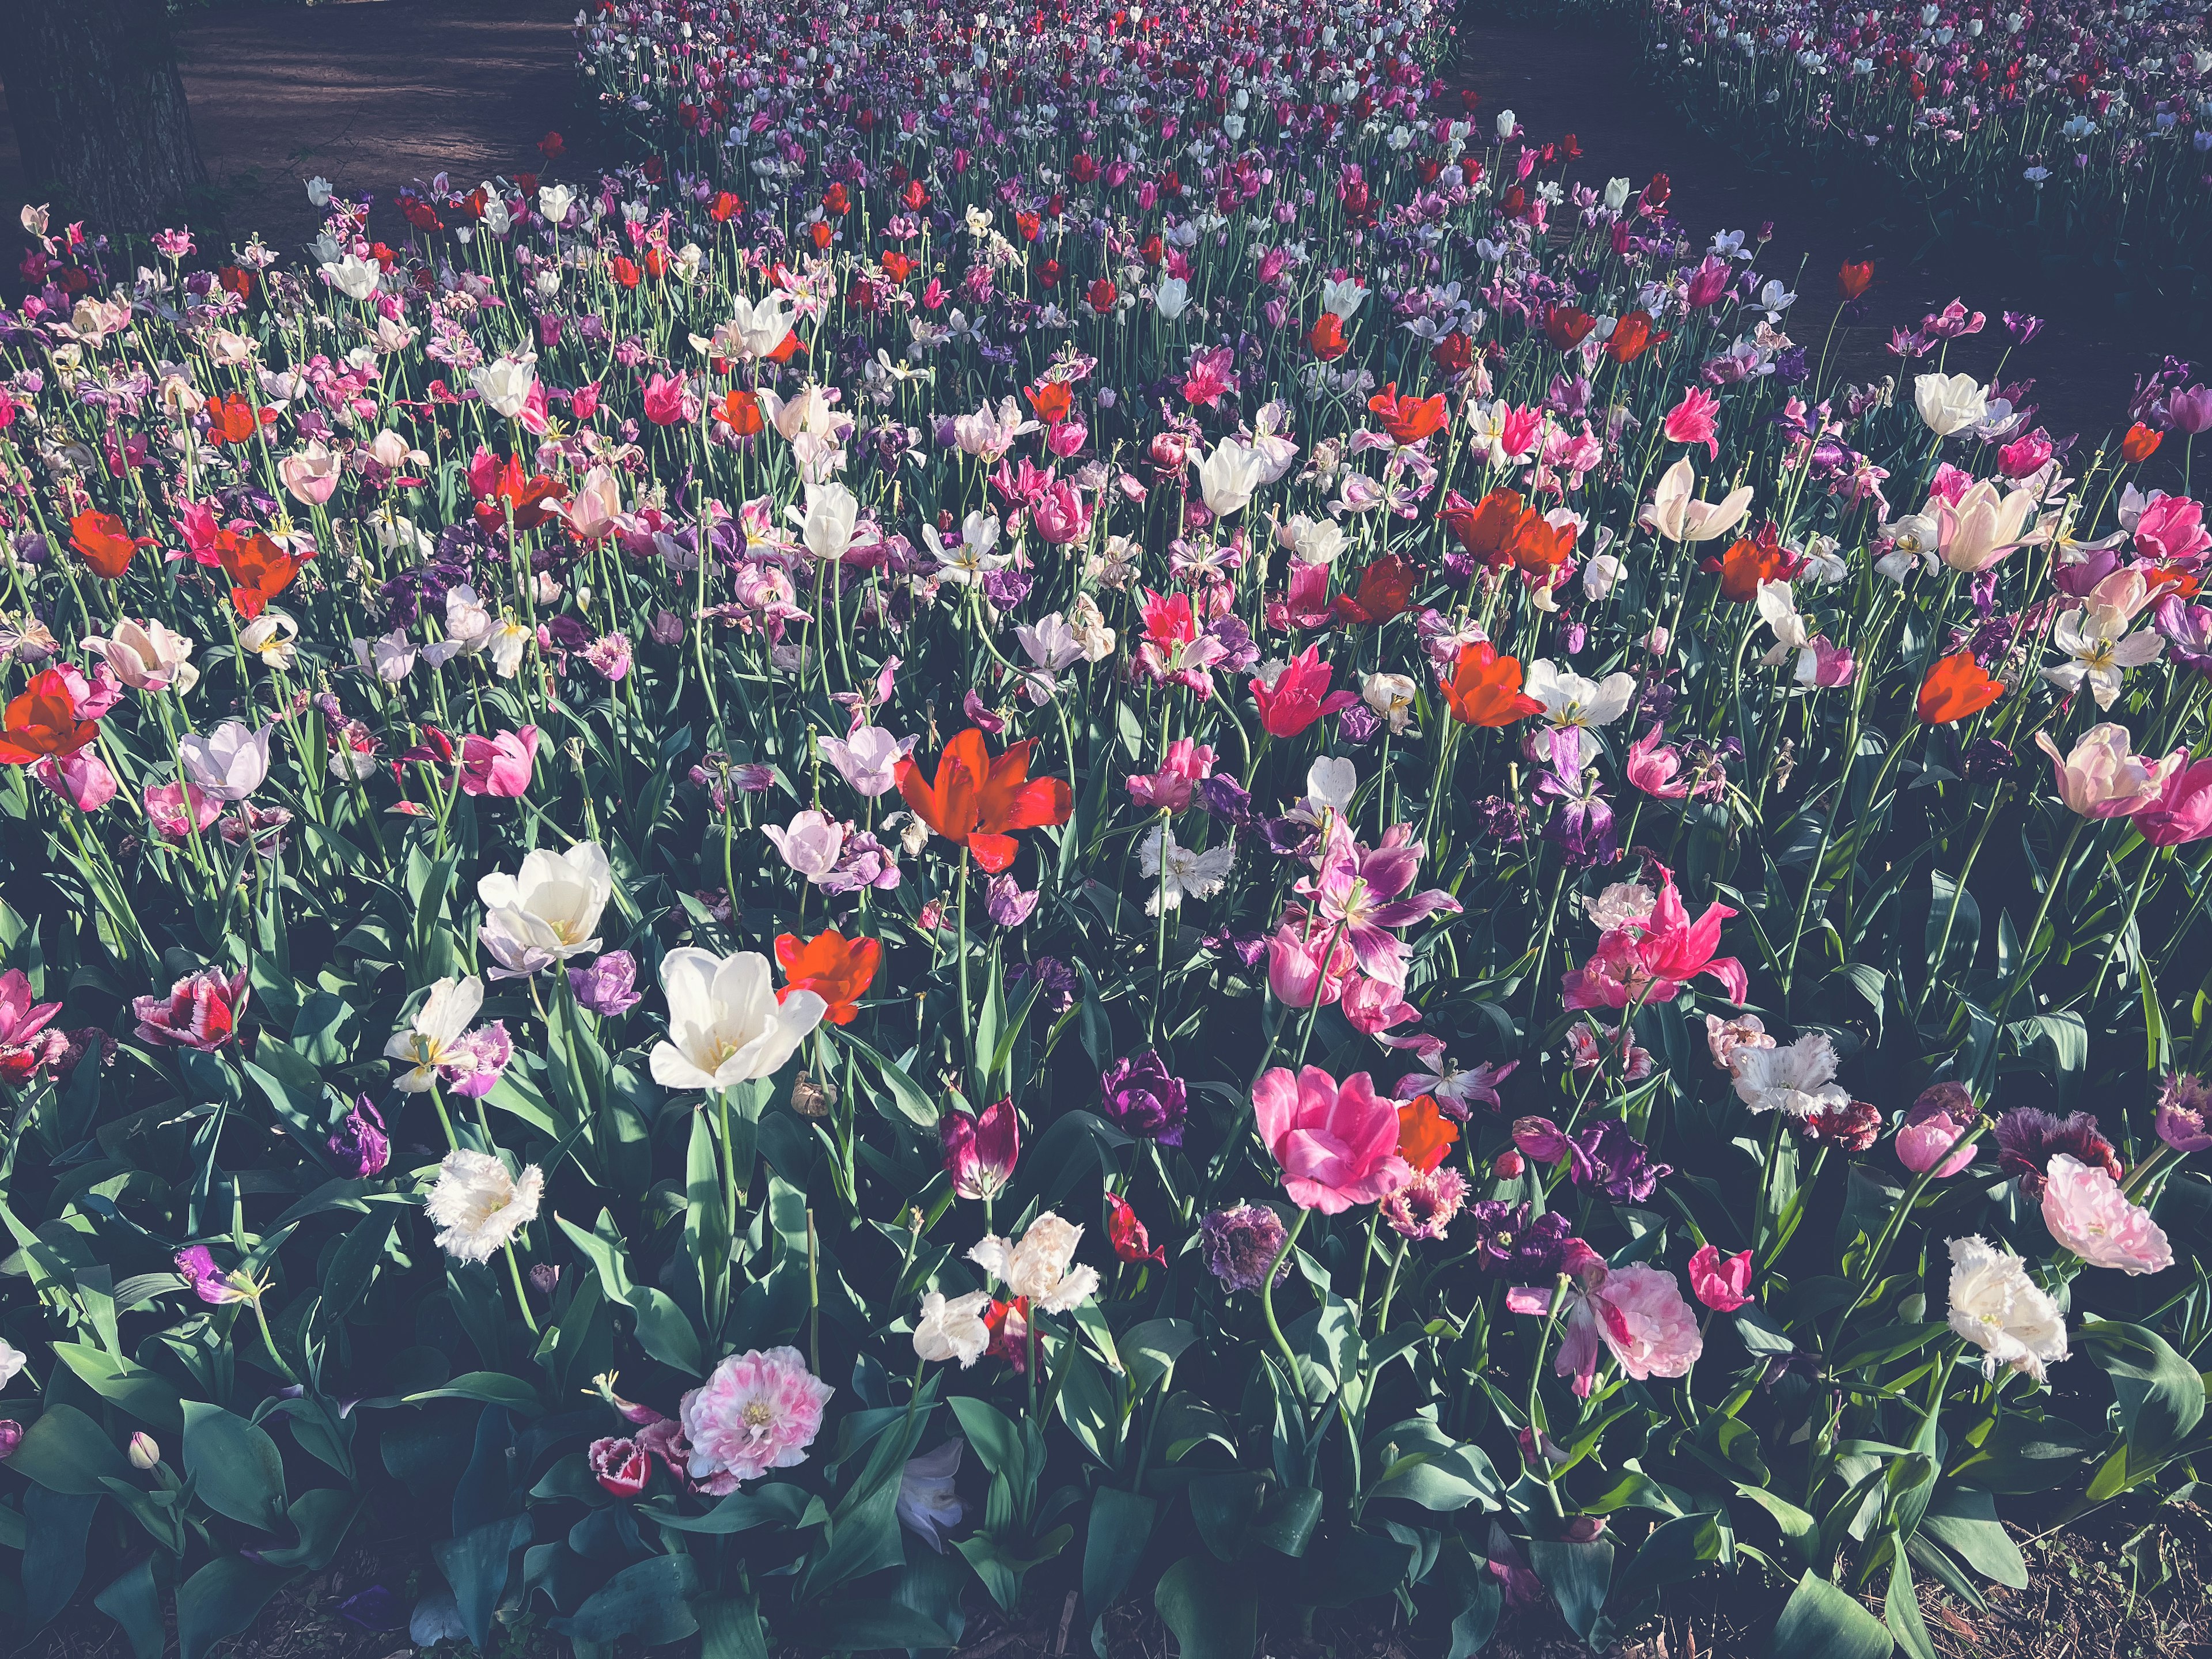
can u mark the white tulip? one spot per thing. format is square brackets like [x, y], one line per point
[548, 912]
[724, 1025]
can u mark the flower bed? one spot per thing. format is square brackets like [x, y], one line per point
[2079, 134]
[1112, 819]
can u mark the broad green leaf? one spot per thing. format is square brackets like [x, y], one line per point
[1822, 1622]
[1212, 1613]
[239, 1471]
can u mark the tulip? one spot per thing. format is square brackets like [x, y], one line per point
[837, 970]
[231, 764]
[200, 1011]
[1932, 1126]
[547, 913]
[1981, 528]
[2182, 812]
[147, 656]
[2102, 777]
[1336, 1144]
[500, 764]
[83, 779]
[1485, 689]
[1673, 515]
[1298, 695]
[312, 475]
[978, 799]
[726, 1025]
[1956, 689]
[1949, 403]
[981, 1150]
[45, 720]
[1722, 1284]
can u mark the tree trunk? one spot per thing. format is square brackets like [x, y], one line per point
[99, 111]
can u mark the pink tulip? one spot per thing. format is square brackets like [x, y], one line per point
[1652, 766]
[2102, 776]
[1691, 421]
[1722, 1283]
[1169, 789]
[1337, 1145]
[1300, 696]
[165, 810]
[83, 779]
[1295, 972]
[2181, 812]
[1932, 1126]
[500, 764]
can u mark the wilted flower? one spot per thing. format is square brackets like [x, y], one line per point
[359, 1147]
[2182, 1106]
[607, 987]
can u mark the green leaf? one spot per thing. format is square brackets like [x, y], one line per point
[1965, 1521]
[1212, 1614]
[492, 1387]
[475, 1566]
[65, 1451]
[145, 1394]
[1578, 1576]
[1900, 1606]
[1822, 1622]
[220, 1600]
[997, 1441]
[909, 1098]
[778, 1502]
[1149, 1351]
[2161, 1395]
[239, 1471]
[134, 1601]
[662, 1330]
[645, 1602]
[354, 1266]
[861, 1624]
[53, 1552]
[322, 1517]
[730, 1628]
[1120, 1526]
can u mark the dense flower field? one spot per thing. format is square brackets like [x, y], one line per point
[2080, 131]
[1088, 810]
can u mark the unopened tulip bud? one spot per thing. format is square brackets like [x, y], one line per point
[145, 1451]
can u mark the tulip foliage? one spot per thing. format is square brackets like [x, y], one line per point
[1083, 810]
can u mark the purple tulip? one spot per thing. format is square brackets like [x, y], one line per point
[606, 988]
[360, 1146]
[1145, 1099]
